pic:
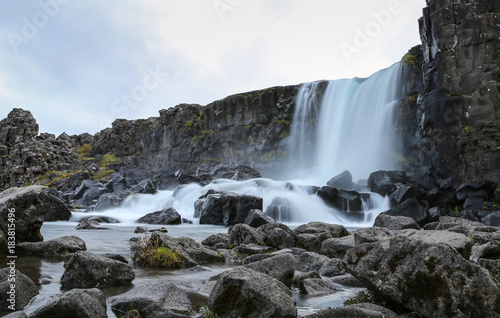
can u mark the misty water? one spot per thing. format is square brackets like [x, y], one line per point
[349, 128]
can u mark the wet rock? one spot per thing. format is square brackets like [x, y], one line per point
[55, 247]
[225, 208]
[343, 200]
[243, 292]
[145, 186]
[430, 279]
[244, 234]
[365, 310]
[215, 239]
[25, 289]
[277, 235]
[337, 247]
[257, 218]
[108, 201]
[347, 280]
[258, 257]
[311, 262]
[283, 210]
[116, 257]
[89, 224]
[251, 249]
[99, 219]
[153, 300]
[84, 303]
[85, 270]
[490, 250]
[395, 222]
[312, 235]
[281, 267]
[466, 190]
[31, 205]
[140, 229]
[84, 186]
[193, 253]
[315, 286]
[342, 181]
[380, 182]
[168, 216]
[413, 208]
[404, 193]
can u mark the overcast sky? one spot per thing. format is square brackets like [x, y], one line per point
[79, 65]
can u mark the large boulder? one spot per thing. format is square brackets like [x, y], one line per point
[283, 210]
[412, 208]
[433, 280]
[395, 222]
[365, 310]
[30, 206]
[342, 181]
[167, 216]
[77, 303]
[337, 247]
[343, 200]
[225, 208]
[244, 234]
[219, 239]
[108, 201]
[193, 253]
[56, 247]
[281, 267]
[277, 235]
[244, 292]
[153, 300]
[86, 270]
[24, 290]
[311, 236]
[256, 218]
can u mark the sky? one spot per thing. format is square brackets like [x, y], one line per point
[79, 65]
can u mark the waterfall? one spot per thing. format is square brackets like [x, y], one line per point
[345, 126]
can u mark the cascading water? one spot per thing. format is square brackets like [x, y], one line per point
[347, 126]
[343, 124]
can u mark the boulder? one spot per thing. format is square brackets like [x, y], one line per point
[225, 208]
[433, 280]
[380, 182]
[85, 270]
[467, 189]
[404, 193]
[395, 222]
[413, 208]
[315, 286]
[167, 216]
[283, 210]
[460, 242]
[492, 219]
[281, 267]
[252, 249]
[140, 229]
[25, 289]
[365, 310]
[78, 303]
[214, 239]
[311, 235]
[90, 224]
[145, 186]
[337, 247]
[258, 257]
[244, 234]
[193, 253]
[153, 300]
[277, 235]
[311, 262]
[490, 250]
[343, 200]
[108, 201]
[30, 206]
[372, 234]
[56, 247]
[257, 218]
[342, 181]
[347, 280]
[116, 257]
[492, 265]
[243, 292]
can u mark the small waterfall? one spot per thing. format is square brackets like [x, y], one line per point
[352, 127]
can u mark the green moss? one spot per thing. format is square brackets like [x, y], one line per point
[361, 297]
[84, 151]
[50, 178]
[283, 135]
[413, 61]
[250, 139]
[189, 124]
[207, 312]
[151, 253]
[109, 158]
[102, 174]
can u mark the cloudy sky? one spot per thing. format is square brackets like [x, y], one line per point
[79, 65]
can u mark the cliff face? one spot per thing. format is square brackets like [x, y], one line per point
[244, 129]
[453, 103]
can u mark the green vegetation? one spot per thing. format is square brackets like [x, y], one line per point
[150, 253]
[283, 135]
[50, 178]
[250, 139]
[84, 151]
[63, 253]
[189, 124]
[208, 313]
[361, 297]
[104, 173]
[413, 61]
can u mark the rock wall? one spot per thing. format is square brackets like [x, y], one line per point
[453, 102]
[244, 129]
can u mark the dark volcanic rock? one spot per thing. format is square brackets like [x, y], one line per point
[395, 222]
[243, 292]
[225, 208]
[108, 201]
[88, 270]
[30, 206]
[25, 289]
[281, 267]
[343, 200]
[56, 247]
[412, 208]
[365, 310]
[153, 300]
[430, 279]
[277, 235]
[167, 216]
[257, 218]
[244, 234]
[342, 181]
[78, 303]
[311, 235]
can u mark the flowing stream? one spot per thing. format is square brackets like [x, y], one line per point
[338, 125]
